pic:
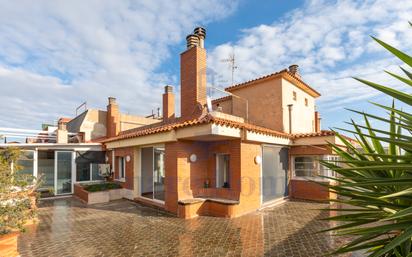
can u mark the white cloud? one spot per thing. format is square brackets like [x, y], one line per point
[56, 54]
[330, 41]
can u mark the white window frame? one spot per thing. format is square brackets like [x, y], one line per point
[321, 170]
[122, 168]
[90, 175]
[219, 184]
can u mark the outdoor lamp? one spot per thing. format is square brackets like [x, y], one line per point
[128, 158]
[258, 159]
[193, 158]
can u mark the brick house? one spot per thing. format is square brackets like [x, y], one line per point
[227, 157]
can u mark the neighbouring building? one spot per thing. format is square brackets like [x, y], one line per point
[70, 151]
[256, 146]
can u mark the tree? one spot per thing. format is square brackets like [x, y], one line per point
[374, 183]
[17, 192]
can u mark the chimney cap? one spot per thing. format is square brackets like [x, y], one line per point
[168, 89]
[112, 100]
[200, 32]
[192, 40]
[294, 69]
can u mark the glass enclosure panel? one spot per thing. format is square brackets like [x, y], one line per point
[159, 174]
[147, 172]
[86, 165]
[64, 172]
[82, 171]
[25, 163]
[274, 173]
[306, 166]
[45, 169]
[95, 172]
[222, 170]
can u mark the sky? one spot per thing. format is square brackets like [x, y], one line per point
[55, 55]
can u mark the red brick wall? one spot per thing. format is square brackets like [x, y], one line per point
[189, 177]
[185, 179]
[113, 120]
[307, 190]
[123, 152]
[193, 81]
[168, 106]
[250, 178]
[310, 150]
[81, 193]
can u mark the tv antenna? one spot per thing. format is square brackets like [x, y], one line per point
[232, 64]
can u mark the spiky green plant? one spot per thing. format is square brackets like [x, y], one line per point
[374, 181]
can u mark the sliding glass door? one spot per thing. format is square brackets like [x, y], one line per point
[153, 173]
[63, 172]
[159, 174]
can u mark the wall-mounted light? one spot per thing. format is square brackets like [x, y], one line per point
[258, 159]
[193, 158]
[128, 158]
[106, 158]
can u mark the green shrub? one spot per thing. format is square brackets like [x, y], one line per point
[17, 193]
[101, 187]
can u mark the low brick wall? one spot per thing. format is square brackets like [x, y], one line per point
[308, 190]
[224, 193]
[206, 208]
[97, 197]
[81, 193]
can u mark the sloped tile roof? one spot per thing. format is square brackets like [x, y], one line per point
[222, 99]
[314, 134]
[286, 74]
[204, 119]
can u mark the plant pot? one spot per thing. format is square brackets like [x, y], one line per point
[8, 244]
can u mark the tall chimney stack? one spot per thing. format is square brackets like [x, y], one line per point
[294, 70]
[61, 135]
[113, 118]
[317, 122]
[168, 104]
[193, 75]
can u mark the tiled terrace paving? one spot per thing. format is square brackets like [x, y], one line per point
[124, 228]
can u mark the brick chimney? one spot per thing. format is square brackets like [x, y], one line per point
[193, 75]
[113, 118]
[294, 70]
[168, 103]
[317, 121]
[61, 135]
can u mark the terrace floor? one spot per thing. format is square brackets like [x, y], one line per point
[68, 227]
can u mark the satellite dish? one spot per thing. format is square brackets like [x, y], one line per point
[209, 104]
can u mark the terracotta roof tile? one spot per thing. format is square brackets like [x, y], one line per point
[205, 119]
[287, 75]
[314, 134]
[222, 99]
[64, 119]
[322, 133]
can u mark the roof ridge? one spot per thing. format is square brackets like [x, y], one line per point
[284, 71]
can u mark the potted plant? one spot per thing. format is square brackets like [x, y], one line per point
[17, 200]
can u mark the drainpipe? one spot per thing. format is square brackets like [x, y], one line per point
[290, 117]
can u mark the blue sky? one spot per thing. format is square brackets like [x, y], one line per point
[54, 55]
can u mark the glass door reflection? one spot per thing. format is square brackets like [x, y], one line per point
[153, 173]
[63, 176]
[159, 174]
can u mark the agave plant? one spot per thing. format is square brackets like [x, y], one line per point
[374, 181]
